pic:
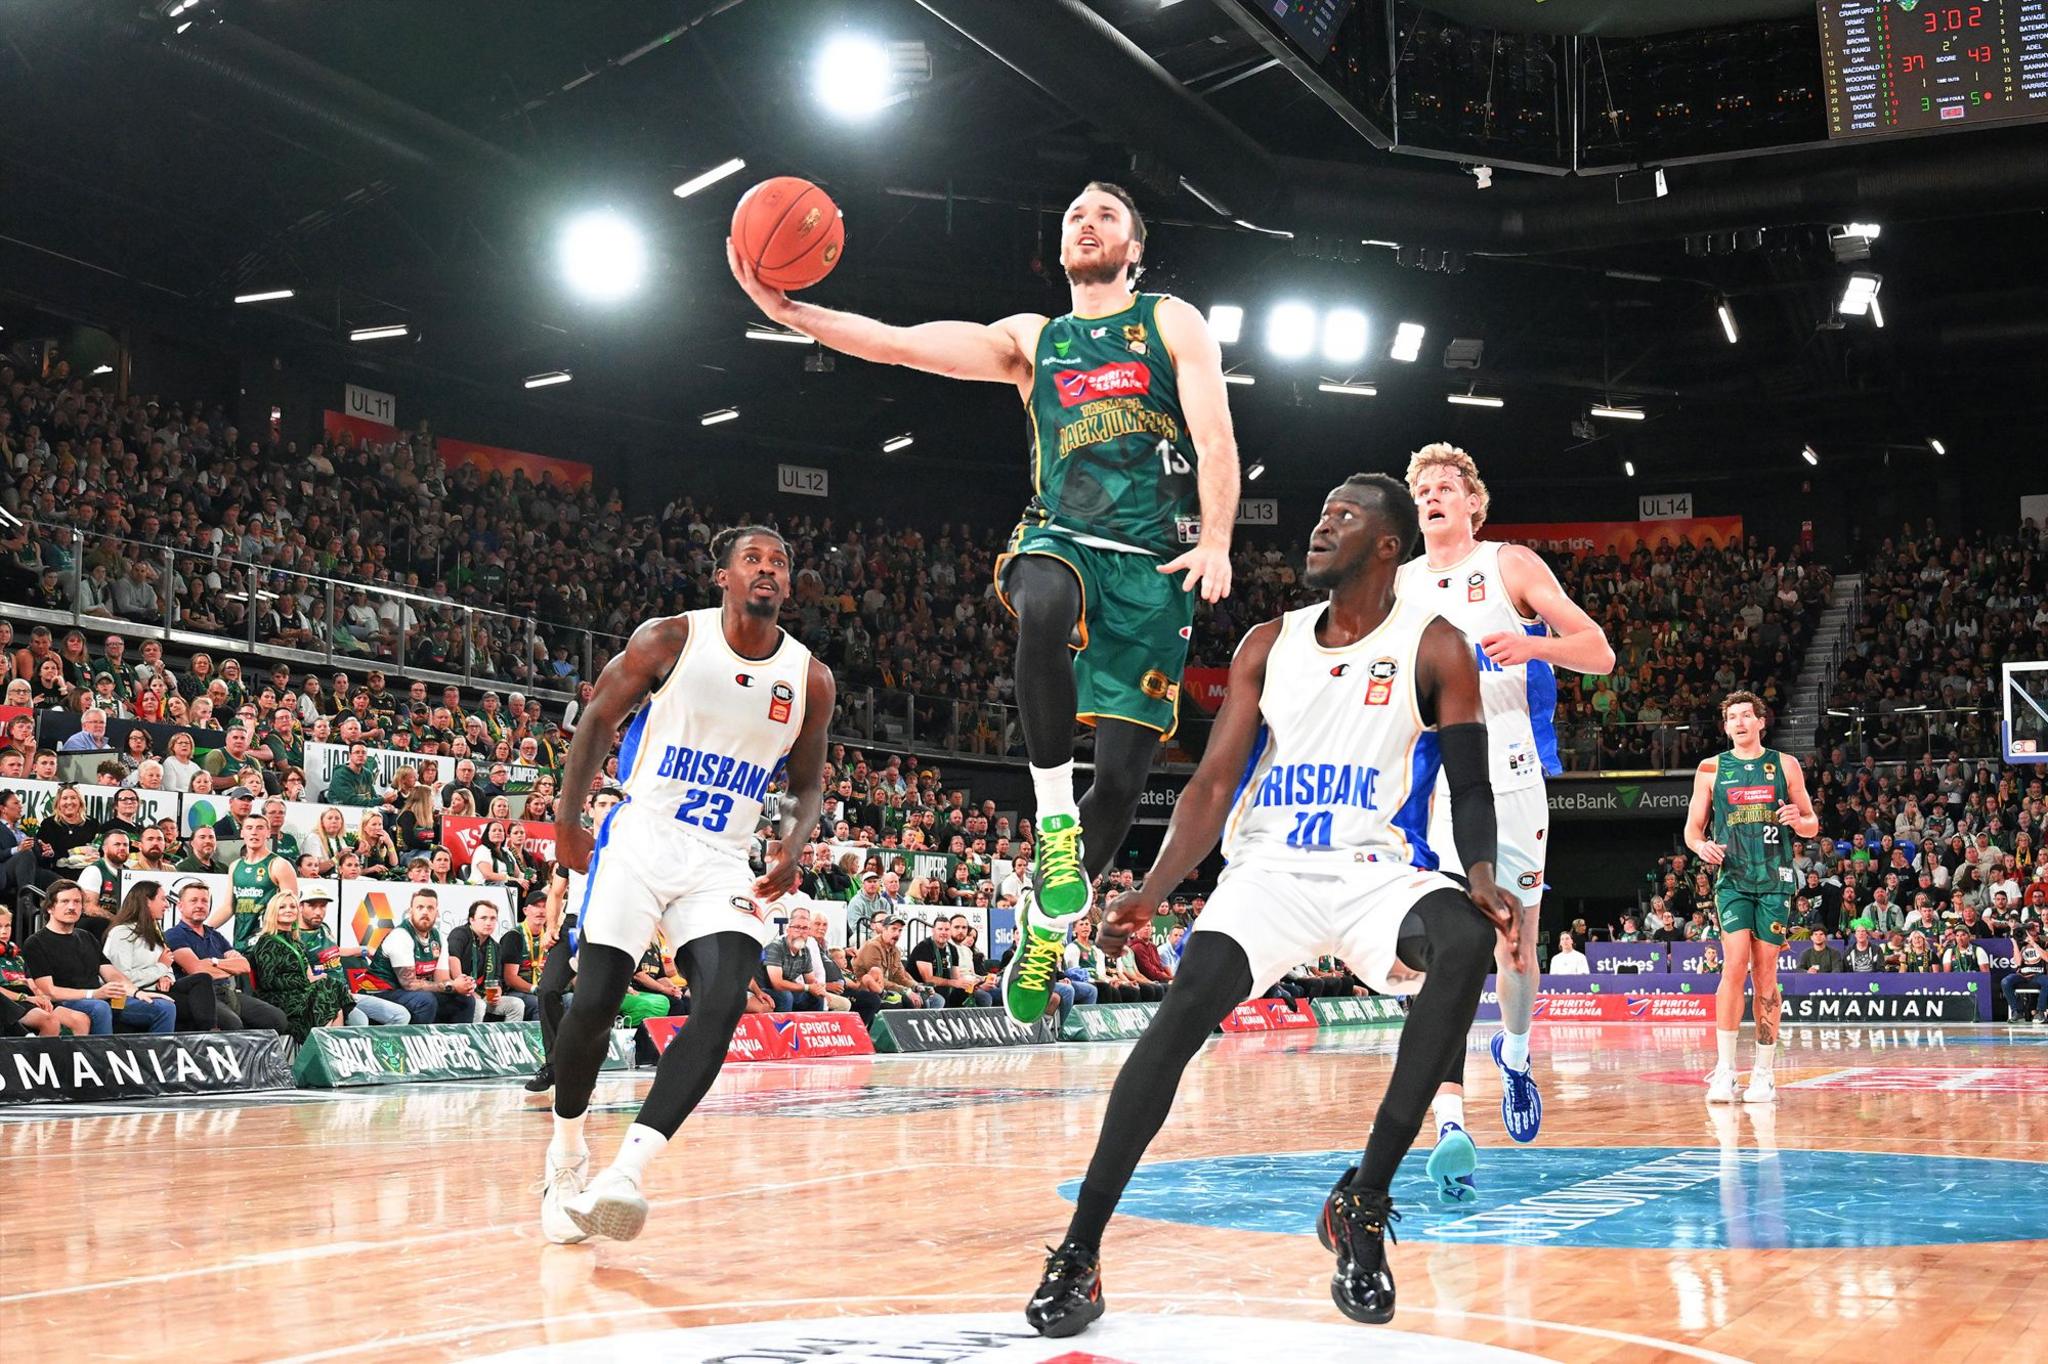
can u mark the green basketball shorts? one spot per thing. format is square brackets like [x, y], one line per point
[1132, 645]
[1763, 913]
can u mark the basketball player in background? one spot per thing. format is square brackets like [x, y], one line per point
[1752, 794]
[1521, 626]
[555, 976]
[1136, 475]
[1337, 717]
[724, 703]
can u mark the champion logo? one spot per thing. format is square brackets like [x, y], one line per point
[1443, 582]
[744, 679]
[1105, 381]
[1340, 670]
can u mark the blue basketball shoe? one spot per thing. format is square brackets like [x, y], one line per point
[1521, 1106]
[1451, 1165]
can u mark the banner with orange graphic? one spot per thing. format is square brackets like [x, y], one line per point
[490, 459]
[1621, 538]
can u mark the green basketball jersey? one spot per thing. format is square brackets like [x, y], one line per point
[250, 886]
[1111, 456]
[1747, 794]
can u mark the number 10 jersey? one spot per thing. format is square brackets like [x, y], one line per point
[1343, 770]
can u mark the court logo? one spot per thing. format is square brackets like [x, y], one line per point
[1123, 1337]
[1734, 1193]
[782, 697]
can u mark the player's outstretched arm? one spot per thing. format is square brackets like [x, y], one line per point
[804, 783]
[996, 352]
[1447, 683]
[1797, 810]
[1698, 812]
[1198, 370]
[1205, 802]
[1576, 640]
[621, 687]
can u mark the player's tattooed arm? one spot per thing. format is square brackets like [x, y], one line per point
[621, 687]
[804, 787]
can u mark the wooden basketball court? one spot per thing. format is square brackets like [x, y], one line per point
[1873, 1211]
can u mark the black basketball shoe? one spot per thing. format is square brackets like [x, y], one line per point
[542, 1080]
[1069, 1297]
[1356, 1226]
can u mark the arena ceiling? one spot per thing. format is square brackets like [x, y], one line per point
[397, 161]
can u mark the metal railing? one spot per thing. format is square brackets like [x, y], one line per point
[196, 600]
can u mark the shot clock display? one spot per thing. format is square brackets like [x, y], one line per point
[1897, 66]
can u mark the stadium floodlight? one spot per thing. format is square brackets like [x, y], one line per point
[1349, 390]
[1258, 467]
[603, 256]
[758, 332]
[723, 414]
[384, 333]
[852, 76]
[102, 369]
[1344, 336]
[265, 296]
[1245, 379]
[1876, 312]
[551, 377]
[1859, 293]
[1616, 414]
[1936, 446]
[1727, 316]
[1407, 343]
[710, 177]
[895, 443]
[1475, 400]
[1809, 456]
[1291, 330]
[1226, 323]
[1628, 467]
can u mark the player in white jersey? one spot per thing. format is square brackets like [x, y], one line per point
[1323, 760]
[724, 704]
[553, 976]
[1521, 625]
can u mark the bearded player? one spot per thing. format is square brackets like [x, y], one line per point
[1135, 472]
[1752, 794]
[1522, 627]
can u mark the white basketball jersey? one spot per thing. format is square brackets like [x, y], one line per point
[715, 734]
[1518, 701]
[1343, 769]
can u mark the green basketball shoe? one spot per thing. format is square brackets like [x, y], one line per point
[1035, 965]
[1058, 879]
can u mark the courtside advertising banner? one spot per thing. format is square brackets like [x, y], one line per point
[780, 1037]
[369, 909]
[141, 1066]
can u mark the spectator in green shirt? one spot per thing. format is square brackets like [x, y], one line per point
[355, 783]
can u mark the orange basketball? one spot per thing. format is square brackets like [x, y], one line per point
[790, 231]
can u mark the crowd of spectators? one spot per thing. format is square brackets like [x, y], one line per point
[1940, 614]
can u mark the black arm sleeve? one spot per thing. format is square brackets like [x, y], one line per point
[1465, 765]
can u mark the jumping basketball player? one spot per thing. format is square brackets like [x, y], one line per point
[1337, 718]
[731, 705]
[1752, 794]
[1503, 597]
[554, 976]
[1131, 439]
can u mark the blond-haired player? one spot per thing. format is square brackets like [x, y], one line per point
[1521, 626]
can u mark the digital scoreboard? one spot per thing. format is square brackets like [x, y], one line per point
[1902, 66]
[1312, 24]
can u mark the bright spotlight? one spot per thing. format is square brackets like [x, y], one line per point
[895, 443]
[103, 369]
[603, 256]
[1291, 330]
[723, 414]
[1344, 332]
[1349, 390]
[1936, 446]
[263, 296]
[1616, 414]
[1474, 400]
[1407, 343]
[1244, 379]
[1877, 312]
[1258, 467]
[388, 332]
[1727, 315]
[549, 379]
[852, 77]
[1808, 455]
[710, 177]
[1859, 293]
[1226, 323]
[1628, 466]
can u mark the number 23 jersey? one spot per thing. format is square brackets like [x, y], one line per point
[715, 735]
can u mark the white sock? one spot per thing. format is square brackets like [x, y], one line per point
[1766, 1058]
[568, 1145]
[1726, 1042]
[1054, 788]
[1514, 1049]
[642, 1144]
[1450, 1108]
